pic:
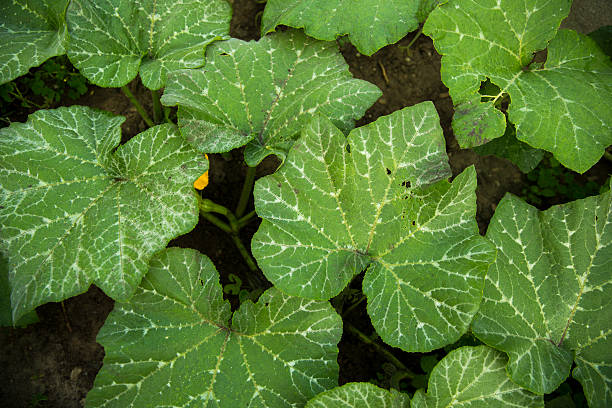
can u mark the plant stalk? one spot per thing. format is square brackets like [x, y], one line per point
[388, 355]
[246, 219]
[206, 207]
[157, 108]
[247, 188]
[416, 37]
[138, 106]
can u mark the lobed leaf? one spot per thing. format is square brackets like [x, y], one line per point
[264, 92]
[370, 24]
[559, 105]
[377, 200]
[173, 344]
[76, 209]
[30, 33]
[473, 377]
[547, 298]
[111, 41]
[360, 395]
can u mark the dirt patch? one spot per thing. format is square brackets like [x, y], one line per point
[53, 363]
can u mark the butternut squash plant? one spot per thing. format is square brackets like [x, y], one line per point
[78, 207]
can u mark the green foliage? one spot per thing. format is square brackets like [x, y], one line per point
[560, 105]
[77, 209]
[30, 32]
[43, 87]
[176, 343]
[370, 24]
[551, 180]
[360, 395]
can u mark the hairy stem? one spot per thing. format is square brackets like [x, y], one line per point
[138, 106]
[247, 188]
[157, 108]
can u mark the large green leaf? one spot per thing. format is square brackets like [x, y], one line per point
[338, 206]
[111, 41]
[561, 106]
[76, 209]
[264, 92]
[370, 24]
[173, 344]
[360, 395]
[31, 31]
[548, 297]
[473, 377]
[6, 315]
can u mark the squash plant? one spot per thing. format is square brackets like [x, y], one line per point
[78, 207]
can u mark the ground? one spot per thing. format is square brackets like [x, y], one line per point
[53, 363]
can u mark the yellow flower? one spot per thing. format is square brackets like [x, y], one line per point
[202, 181]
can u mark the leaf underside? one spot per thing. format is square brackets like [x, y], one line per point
[76, 209]
[377, 200]
[548, 297]
[172, 344]
[360, 395]
[370, 24]
[30, 33]
[111, 41]
[473, 377]
[561, 105]
[264, 92]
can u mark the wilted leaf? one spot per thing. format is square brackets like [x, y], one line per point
[561, 105]
[112, 41]
[370, 24]
[548, 297]
[173, 344]
[76, 209]
[30, 33]
[360, 395]
[377, 200]
[264, 92]
[473, 377]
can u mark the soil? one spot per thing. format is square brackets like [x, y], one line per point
[53, 363]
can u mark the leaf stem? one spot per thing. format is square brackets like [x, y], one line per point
[247, 188]
[416, 37]
[138, 106]
[388, 355]
[206, 207]
[157, 108]
[246, 219]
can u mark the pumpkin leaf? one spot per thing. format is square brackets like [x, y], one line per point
[547, 298]
[264, 92]
[370, 24]
[112, 41]
[30, 33]
[173, 343]
[6, 315]
[560, 105]
[377, 200]
[76, 209]
[360, 395]
[473, 377]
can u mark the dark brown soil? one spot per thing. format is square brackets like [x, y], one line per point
[53, 363]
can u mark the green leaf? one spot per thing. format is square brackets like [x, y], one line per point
[561, 106]
[370, 24]
[30, 32]
[426, 7]
[360, 395]
[112, 41]
[76, 209]
[473, 377]
[338, 206]
[6, 317]
[548, 297]
[525, 157]
[173, 344]
[264, 92]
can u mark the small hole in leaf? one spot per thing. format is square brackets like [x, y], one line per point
[413, 223]
[348, 148]
[406, 184]
[388, 171]
[266, 304]
[201, 282]
[225, 54]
